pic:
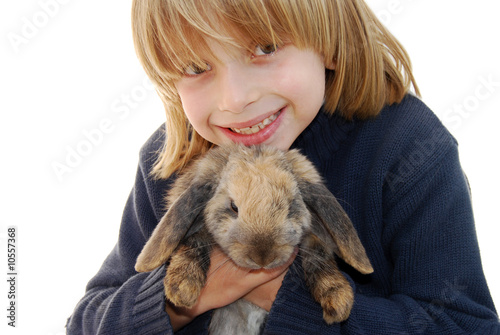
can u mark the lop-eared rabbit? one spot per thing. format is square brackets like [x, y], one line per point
[258, 204]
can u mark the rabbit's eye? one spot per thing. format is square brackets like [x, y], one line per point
[234, 207]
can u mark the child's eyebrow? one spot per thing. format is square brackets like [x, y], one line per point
[199, 52]
[182, 41]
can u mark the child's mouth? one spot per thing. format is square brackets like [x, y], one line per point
[257, 133]
[258, 127]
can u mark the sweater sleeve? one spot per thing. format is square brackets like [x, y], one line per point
[435, 282]
[118, 300]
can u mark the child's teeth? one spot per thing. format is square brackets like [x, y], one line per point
[256, 128]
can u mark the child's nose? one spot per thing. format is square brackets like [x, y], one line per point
[237, 88]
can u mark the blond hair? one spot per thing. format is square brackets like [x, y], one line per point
[372, 69]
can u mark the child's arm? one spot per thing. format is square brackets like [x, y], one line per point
[411, 203]
[118, 300]
[436, 285]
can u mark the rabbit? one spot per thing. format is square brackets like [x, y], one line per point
[258, 204]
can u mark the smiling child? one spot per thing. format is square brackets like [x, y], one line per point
[327, 78]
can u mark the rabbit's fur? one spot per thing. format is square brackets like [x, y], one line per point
[258, 204]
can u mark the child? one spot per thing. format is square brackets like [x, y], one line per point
[323, 76]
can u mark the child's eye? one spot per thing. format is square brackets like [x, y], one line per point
[265, 49]
[193, 69]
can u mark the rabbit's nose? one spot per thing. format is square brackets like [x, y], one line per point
[261, 257]
[261, 251]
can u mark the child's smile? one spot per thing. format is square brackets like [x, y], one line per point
[250, 132]
[268, 96]
[259, 126]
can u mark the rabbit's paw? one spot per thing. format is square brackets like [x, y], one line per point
[182, 292]
[183, 282]
[336, 301]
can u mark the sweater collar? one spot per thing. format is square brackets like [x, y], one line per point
[323, 137]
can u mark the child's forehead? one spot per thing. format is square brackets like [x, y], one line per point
[186, 32]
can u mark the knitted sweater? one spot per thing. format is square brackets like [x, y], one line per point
[399, 179]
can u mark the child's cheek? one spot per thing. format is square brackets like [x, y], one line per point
[302, 76]
[194, 98]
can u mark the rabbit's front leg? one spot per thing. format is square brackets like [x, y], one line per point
[187, 271]
[327, 284]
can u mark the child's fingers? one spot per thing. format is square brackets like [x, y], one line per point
[265, 294]
[228, 282]
[224, 269]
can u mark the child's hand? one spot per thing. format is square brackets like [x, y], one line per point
[264, 294]
[226, 283]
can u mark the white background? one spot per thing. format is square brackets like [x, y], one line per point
[69, 68]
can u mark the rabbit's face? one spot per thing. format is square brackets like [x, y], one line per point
[257, 214]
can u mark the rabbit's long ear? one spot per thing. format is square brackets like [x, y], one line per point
[184, 217]
[188, 198]
[329, 220]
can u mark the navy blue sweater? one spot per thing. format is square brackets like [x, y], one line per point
[398, 177]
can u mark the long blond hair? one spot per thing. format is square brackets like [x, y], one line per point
[372, 68]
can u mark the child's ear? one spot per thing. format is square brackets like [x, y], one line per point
[331, 64]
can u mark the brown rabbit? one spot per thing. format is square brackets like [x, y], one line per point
[258, 204]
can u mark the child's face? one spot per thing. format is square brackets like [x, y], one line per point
[269, 96]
